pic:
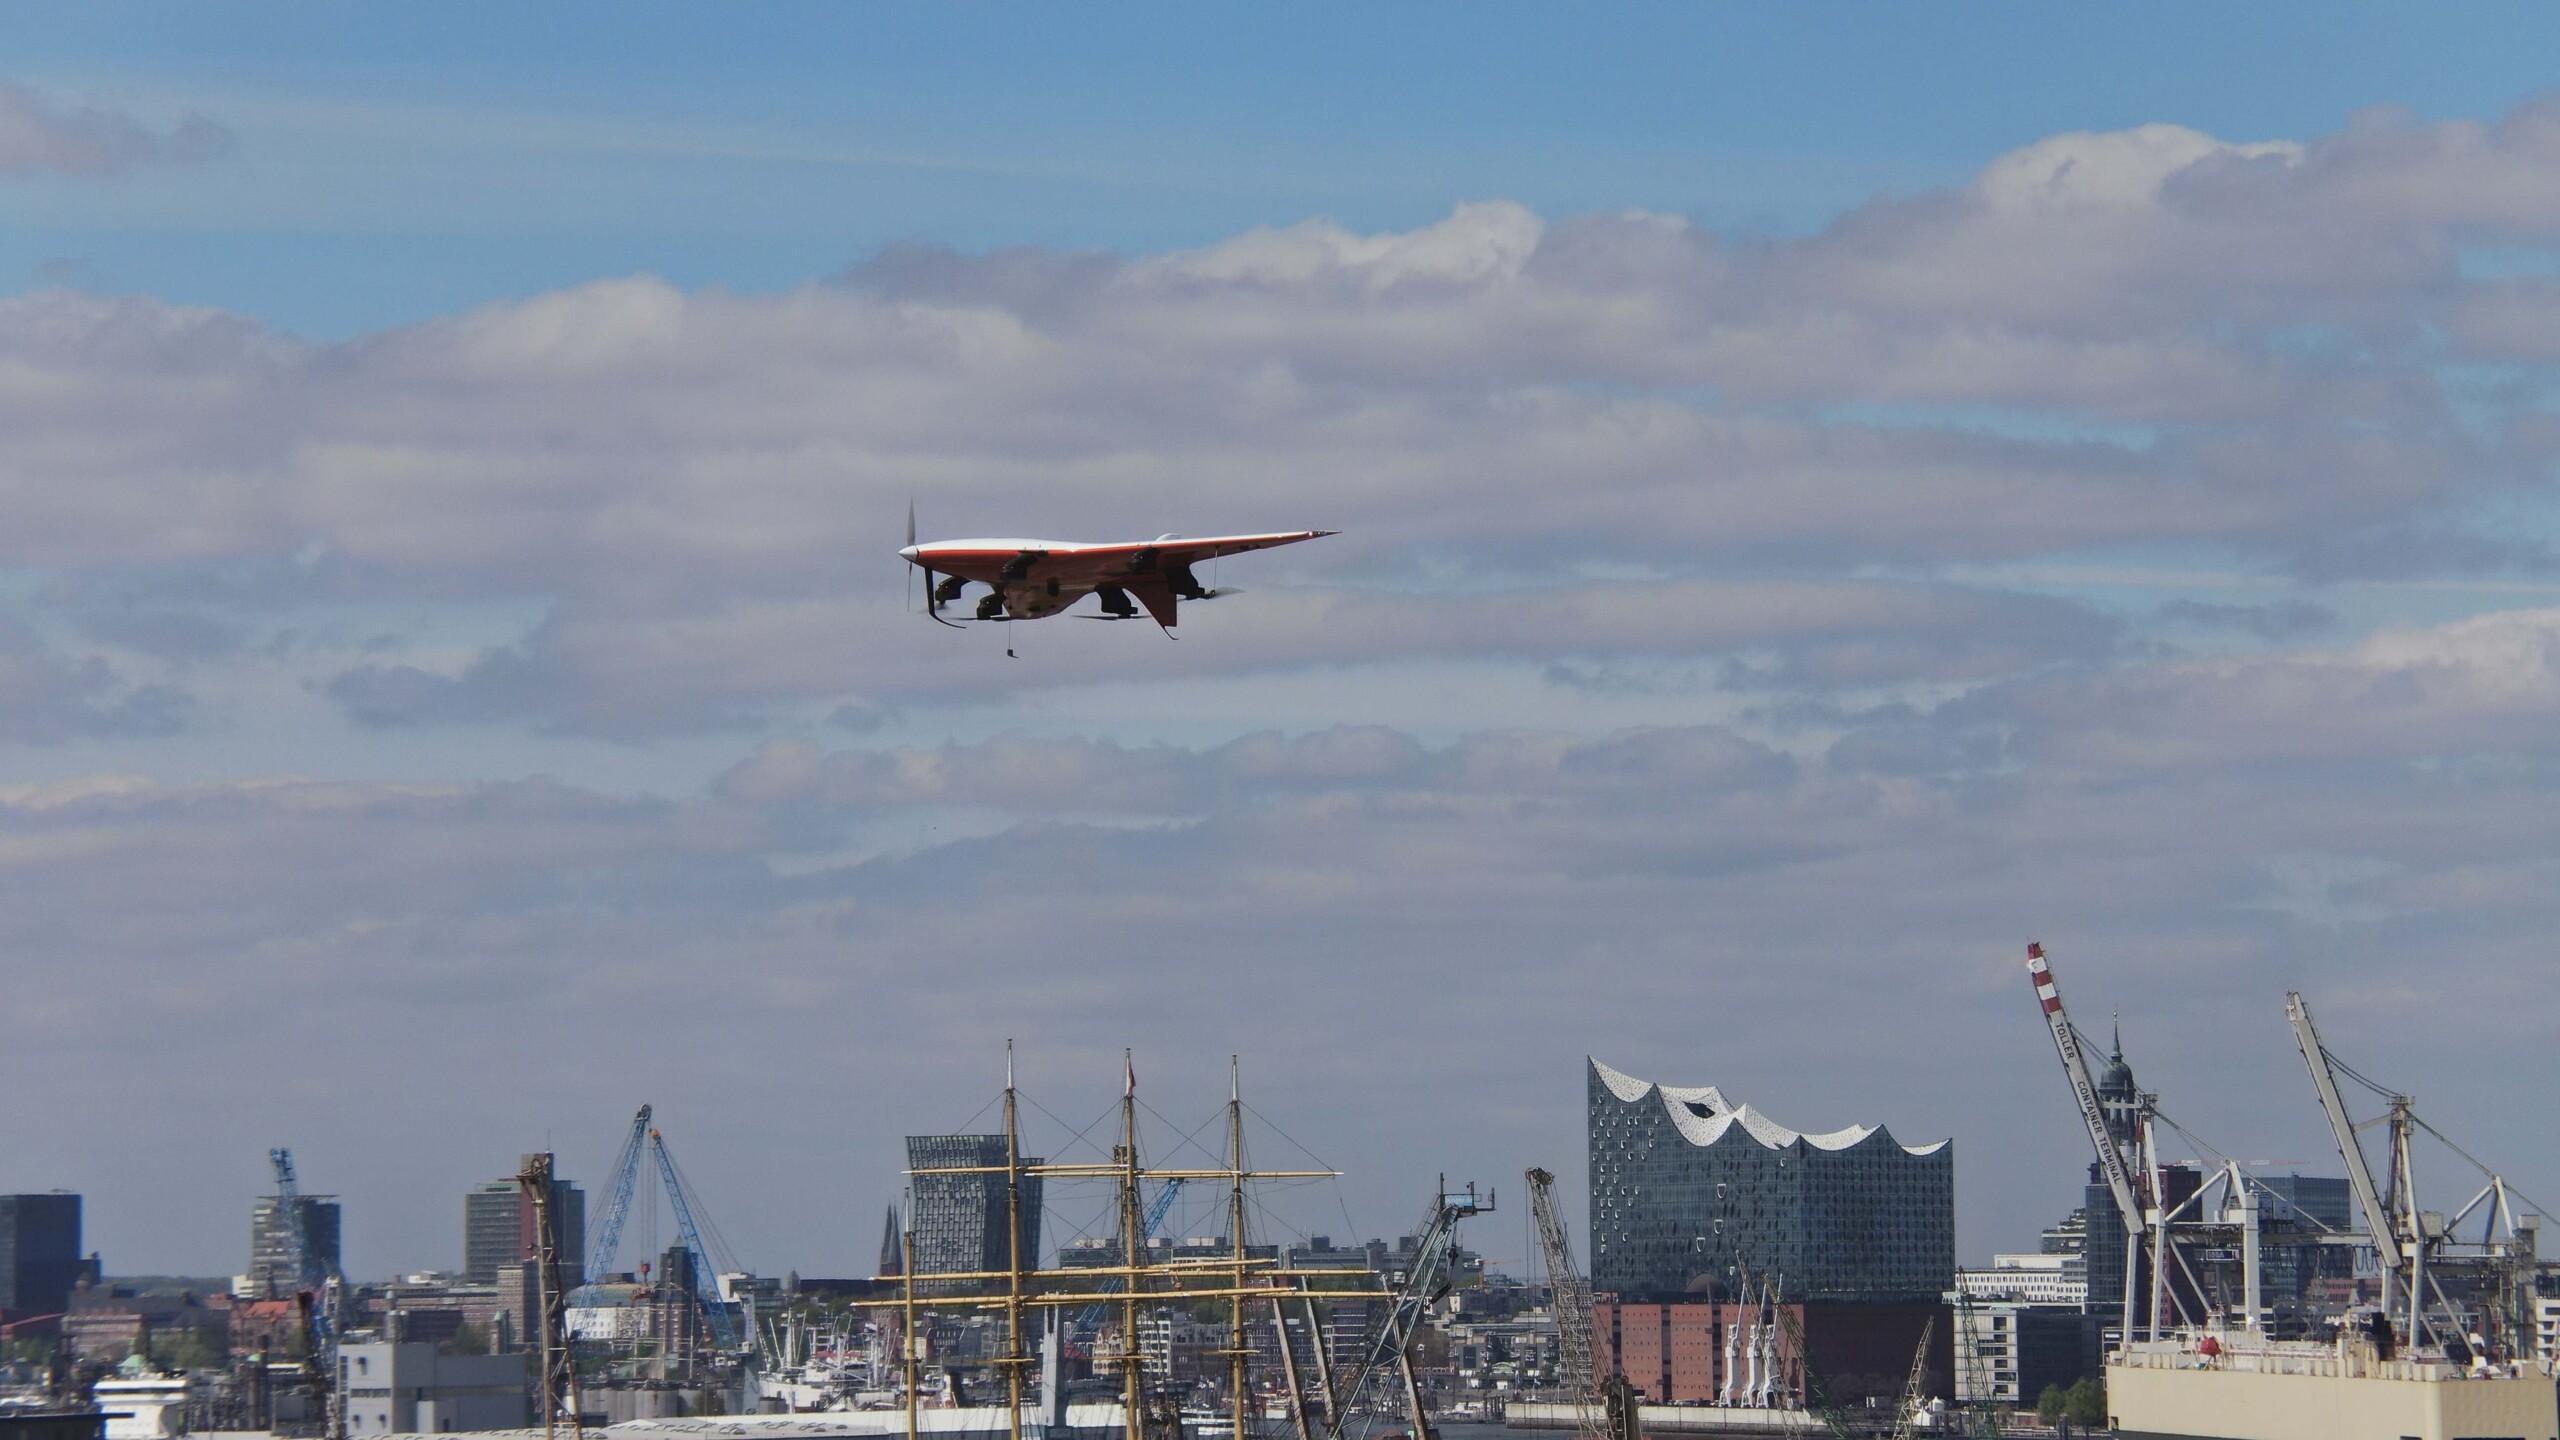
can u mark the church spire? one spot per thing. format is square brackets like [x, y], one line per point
[891, 1252]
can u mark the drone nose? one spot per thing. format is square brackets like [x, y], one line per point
[911, 552]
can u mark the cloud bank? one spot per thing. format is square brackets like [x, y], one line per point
[1798, 505]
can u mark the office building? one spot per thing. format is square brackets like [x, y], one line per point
[498, 1230]
[2008, 1352]
[271, 1252]
[39, 1253]
[959, 1219]
[1694, 1194]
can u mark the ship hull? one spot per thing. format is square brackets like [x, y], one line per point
[2154, 1402]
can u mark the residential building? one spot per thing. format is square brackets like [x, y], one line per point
[498, 1229]
[400, 1389]
[1692, 1192]
[39, 1254]
[271, 1249]
[959, 1218]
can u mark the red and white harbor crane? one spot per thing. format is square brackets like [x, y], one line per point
[2140, 1221]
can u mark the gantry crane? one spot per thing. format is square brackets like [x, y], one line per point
[2415, 1247]
[1570, 1298]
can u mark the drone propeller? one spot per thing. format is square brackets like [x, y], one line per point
[932, 594]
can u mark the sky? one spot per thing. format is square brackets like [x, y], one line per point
[1827, 495]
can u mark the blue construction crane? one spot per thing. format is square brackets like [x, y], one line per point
[626, 1177]
[1091, 1315]
[315, 1294]
[706, 1278]
[645, 1139]
[297, 1225]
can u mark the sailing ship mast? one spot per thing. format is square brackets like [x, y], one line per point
[1236, 1277]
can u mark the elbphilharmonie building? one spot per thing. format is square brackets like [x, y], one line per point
[1694, 1194]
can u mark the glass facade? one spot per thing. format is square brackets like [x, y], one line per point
[39, 1253]
[1689, 1193]
[959, 1219]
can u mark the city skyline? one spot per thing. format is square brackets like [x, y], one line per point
[1827, 496]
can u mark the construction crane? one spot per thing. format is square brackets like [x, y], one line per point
[706, 1278]
[1570, 1297]
[2084, 1091]
[315, 1293]
[626, 1178]
[1391, 1335]
[642, 1143]
[1091, 1315]
[1915, 1398]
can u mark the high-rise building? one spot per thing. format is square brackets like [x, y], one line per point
[958, 1219]
[39, 1253]
[498, 1230]
[1693, 1194]
[271, 1256]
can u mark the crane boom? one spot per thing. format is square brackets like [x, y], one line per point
[1390, 1337]
[1575, 1345]
[297, 1225]
[626, 1178]
[2386, 1241]
[706, 1280]
[2075, 1065]
[1156, 1210]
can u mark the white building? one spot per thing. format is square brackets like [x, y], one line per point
[410, 1389]
[2029, 1279]
[1987, 1354]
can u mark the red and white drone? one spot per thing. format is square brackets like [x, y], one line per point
[1034, 579]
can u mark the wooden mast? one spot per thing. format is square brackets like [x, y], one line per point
[1237, 1351]
[1133, 1244]
[907, 1338]
[1013, 1252]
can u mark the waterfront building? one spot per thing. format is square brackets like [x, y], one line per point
[1692, 1194]
[498, 1229]
[271, 1256]
[1731, 1352]
[39, 1253]
[959, 1219]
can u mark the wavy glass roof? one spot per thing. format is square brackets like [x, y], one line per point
[1703, 1115]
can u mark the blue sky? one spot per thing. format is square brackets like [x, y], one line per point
[1828, 493]
[396, 167]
